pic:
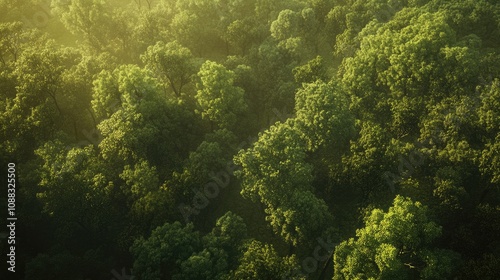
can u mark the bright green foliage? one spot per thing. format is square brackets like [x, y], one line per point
[295, 32]
[395, 245]
[260, 261]
[141, 185]
[489, 112]
[123, 131]
[106, 97]
[34, 113]
[274, 164]
[447, 129]
[490, 160]
[136, 116]
[422, 64]
[172, 63]
[345, 21]
[286, 25]
[323, 115]
[274, 171]
[221, 102]
[311, 71]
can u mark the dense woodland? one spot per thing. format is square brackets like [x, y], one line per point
[252, 139]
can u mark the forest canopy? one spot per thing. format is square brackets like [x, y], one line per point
[230, 139]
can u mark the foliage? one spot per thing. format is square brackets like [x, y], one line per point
[124, 118]
[171, 62]
[221, 102]
[395, 245]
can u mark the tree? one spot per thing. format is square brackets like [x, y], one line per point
[275, 172]
[323, 115]
[275, 169]
[153, 25]
[260, 261]
[34, 113]
[180, 253]
[286, 25]
[489, 112]
[207, 157]
[14, 40]
[195, 25]
[136, 91]
[115, 134]
[136, 117]
[244, 33]
[344, 23]
[489, 117]
[229, 234]
[310, 72]
[172, 63]
[367, 159]
[398, 244]
[39, 72]
[296, 32]
[120, 37]
[159, 256]
[490, 160]
[75, 192]
[77, 88]
[230, 230]
[143, 191]
[222, 249]
[238, 26]
[210, 263]
[220, 101]
[401, 82]
[86, 18]
[272, 68]
[471, 17]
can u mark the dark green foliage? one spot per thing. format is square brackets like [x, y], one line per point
[158, 256]
[127, 119]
